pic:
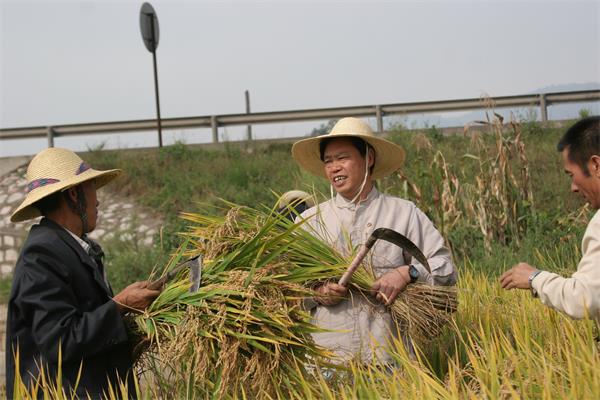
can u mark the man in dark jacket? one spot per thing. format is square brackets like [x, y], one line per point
[62, 308]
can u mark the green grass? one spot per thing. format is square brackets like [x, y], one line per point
[5, 284]
[177, 178]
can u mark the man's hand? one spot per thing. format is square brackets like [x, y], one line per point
[517, 277]
[135, 297]
[330, 294]
[390, 284]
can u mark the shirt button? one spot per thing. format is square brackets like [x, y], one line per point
[369, 225]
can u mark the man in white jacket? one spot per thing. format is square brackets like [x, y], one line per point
[351, 158]
[579, 295]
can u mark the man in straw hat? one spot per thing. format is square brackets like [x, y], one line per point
[351, 158]
[61, 306]
[578, 295]
[293, 203]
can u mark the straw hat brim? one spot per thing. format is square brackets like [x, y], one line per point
[27, 209]
[389, 157]
[295, 195]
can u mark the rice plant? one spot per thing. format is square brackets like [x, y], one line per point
[499, 345]
[246, 323]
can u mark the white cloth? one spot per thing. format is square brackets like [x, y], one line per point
[579, 294]
[363, 326]
[79, 240]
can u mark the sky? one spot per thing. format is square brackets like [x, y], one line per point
[64, 62]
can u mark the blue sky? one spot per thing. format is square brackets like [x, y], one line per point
[74, 61]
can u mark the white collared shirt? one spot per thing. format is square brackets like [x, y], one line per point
[361, 327]
[79, 240]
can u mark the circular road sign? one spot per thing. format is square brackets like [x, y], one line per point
[149, 27]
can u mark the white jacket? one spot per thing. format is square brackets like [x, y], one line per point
[361, 328]
[579, 294]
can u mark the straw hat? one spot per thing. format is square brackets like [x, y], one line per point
[53, 170]
[389, 157]
[295, 195]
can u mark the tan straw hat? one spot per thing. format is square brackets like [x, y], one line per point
[53, 170]
[389, 157]
[292, 196]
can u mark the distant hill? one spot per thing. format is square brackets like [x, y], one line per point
[555, 112]
[568, 87]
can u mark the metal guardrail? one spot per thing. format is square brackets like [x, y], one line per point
[377, 111]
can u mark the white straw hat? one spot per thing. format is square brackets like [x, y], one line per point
[53, 170]
[295, 195]
[389, 157]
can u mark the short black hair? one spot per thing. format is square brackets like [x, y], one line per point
[583, 141]
[50, 203]
[358, 143]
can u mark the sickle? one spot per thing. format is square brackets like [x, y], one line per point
[195, 266]
[389, 235]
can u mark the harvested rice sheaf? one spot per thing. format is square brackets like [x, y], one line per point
[245, 327]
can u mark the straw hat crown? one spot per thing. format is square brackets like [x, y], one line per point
[295, 195]
[53, 170]
[389, 157]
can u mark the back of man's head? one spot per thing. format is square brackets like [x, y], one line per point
[582, 141]
[50, 204]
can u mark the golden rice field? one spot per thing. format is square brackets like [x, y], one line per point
[244, 336]
[501, 345]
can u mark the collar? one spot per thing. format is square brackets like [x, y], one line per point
[341, 202]
[79, 240]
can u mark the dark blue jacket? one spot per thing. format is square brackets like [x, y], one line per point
[59, 298]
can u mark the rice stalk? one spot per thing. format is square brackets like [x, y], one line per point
[246, 323]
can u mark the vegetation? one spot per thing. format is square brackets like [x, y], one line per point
[246, 323]
[440, 176]
[497, 193]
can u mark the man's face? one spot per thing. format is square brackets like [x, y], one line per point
[345, 167]
[89, 189]
[587, 186]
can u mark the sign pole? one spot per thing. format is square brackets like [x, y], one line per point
[160, 142]
[150, 35]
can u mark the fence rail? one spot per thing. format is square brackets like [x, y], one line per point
[378, 111]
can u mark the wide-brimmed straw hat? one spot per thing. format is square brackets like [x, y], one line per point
[53, 170]
[293, 196]
[389, 157]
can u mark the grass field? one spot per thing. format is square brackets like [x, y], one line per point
[499, 196]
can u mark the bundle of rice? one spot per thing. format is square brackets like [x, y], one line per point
[246, 324]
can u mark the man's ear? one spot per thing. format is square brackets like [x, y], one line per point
[371, 155]
[72, 194]
[594, 165]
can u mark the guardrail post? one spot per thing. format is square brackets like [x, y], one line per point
[379, 118]
[249, 127]
[215, 129]
[50, 136]
[543, 108]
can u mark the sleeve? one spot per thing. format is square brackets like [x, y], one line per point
[47, 300]
[579, 295]
[422, 232]
[308, 303]
[311, 219]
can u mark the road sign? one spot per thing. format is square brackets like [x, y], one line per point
[149, 27]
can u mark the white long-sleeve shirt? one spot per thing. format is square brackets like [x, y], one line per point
[361, 325]
[579, 294]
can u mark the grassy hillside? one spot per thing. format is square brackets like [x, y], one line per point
[440, 175]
